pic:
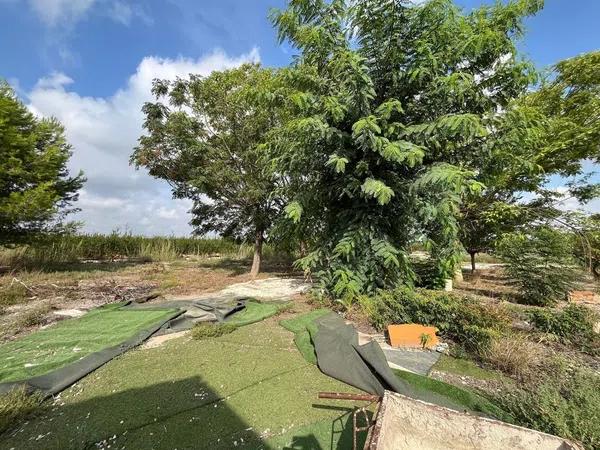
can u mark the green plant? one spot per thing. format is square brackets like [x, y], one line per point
[390, 130]
[424, 339]
[514, 355]
[574, 325]
[12, 293]
[564, 405]
[461, 319]
[540, 263]
[33, 316]
[36, 189]
[17, 405]
[211, 330]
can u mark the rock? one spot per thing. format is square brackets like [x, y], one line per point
[442, 347]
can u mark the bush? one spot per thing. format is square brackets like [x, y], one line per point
[460, 319]
[541, 264]
[566, 406]
[514, 355]
[211, 330]
[574, 325]
[16, 406]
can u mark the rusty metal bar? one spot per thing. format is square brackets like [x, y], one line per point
[344, 396]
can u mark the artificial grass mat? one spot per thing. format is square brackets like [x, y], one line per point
[302, 326]
[254, 311]
[72, 339]
[248, 389]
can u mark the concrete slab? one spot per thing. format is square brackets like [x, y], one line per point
[416, 361]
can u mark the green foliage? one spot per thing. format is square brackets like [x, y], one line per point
[207, 140]
[573, 324]
[540, 263]
[16, 406]
[12, 294]
[389, 119]
[212, 330]
[460, 319]
[562, 405]
[35, 186]
[52, 250]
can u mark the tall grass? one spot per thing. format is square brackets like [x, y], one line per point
[51, 250]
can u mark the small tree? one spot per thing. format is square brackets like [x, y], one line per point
[205, 140]
[35, 186]
[540, 262]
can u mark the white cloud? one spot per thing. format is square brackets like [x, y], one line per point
[103, 132]
[124, 13]
[53, 12]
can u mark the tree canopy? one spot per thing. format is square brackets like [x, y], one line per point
[35, 186]
[204, 136]
[393, 105]
[549, 131]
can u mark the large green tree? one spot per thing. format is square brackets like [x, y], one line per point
[549, 131]
[204, 136]
[393, 102]
[35, 186]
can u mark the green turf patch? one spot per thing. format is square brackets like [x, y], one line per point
[465, 367]
[246, 390]
[302, 326]
[254, 312]
[71, 340]
[470, 401]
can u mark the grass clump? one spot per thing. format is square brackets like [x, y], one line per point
[12, 294]
[574, 325]
[463, 320]
[33, 317]
[212, 330]
[566, 405]
[17, 405]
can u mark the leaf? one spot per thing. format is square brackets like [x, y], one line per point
[294, 211]
[378, 190]
[338, 163]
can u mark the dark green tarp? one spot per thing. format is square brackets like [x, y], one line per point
[365, 367]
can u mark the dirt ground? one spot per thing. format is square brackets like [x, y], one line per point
[49, 296]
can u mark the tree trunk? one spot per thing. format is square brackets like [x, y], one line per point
[473, 267]
[258, 245]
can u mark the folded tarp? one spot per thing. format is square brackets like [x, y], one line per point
[365, 367]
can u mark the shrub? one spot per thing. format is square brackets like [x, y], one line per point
[460, 319]
[514, 355]
[33, 316]
[563, 405]
[541, 264]
[12, 293]
[211, 330]
[574, 325]
[16, 406]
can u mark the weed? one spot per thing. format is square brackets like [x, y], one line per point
[12, 294]
[514, 355]
[565, 405]
[15, 406]
[33, 316]
[212, 330]
[573, 325]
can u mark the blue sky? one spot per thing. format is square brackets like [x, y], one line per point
[90, 63]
